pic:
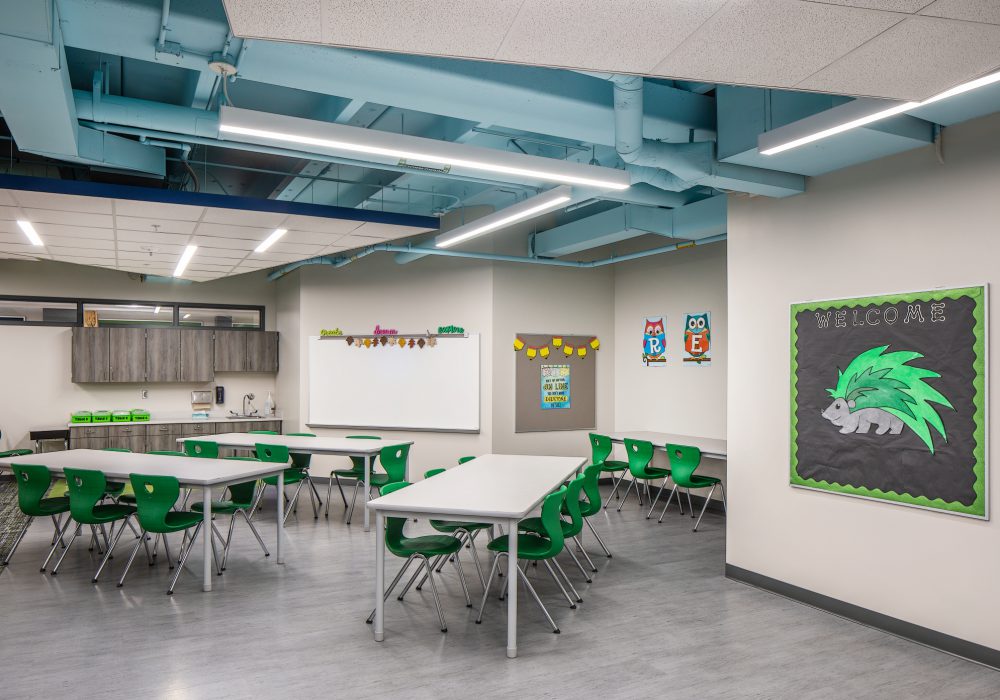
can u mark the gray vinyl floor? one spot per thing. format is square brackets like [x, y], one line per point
[659, 620]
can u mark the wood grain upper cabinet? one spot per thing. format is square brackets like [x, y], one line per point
[91, 355]
[163, 353]
[197, 356]
[231, 351]
[262, 351]
[128, 354]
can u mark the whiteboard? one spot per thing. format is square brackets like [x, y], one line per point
[430, 388]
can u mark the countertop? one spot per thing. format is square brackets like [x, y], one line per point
[180, 419]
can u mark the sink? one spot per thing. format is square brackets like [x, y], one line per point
[231, 417]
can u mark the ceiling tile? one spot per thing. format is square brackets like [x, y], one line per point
[82, 232]
[69, 218]
[83, 243]
[204, 267]
[298, 20]
[353, 241]
[69, 251]
[12, 213]
[7, 198]
[165, 258]
[907, 6]
[228, 231]
[277, 257]
[222, 242]
[63, 202]
[223, 253]
[305, 237]
[320, 225]
[772, 42]
[162, 225]
[916, 59]
[444, 27]
[146, 247]
[297, 248]
[23, 248]
[387, 231]
[152, 237]
[557, 33]
[256, 265]
[242, 217]
[158, 210]
[971, 10]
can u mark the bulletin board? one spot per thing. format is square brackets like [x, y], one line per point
[557, 392]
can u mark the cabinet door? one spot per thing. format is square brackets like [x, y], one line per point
[163, 436]
[163, 352]
[89, 438]
[132, 443]
[262, 351]
[231, 351]
[128, 354]
[91, 355]
[197, 361]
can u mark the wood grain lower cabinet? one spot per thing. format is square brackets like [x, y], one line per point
[162, 437]
[92, 437]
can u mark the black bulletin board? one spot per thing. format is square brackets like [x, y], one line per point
[529, 417]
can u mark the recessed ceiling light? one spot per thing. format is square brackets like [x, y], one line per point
[30, 232]
[270, 240]
[185, 259]
[518, 212]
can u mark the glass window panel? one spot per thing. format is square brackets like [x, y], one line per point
[219, 317]
[131, 314]
[16, 311]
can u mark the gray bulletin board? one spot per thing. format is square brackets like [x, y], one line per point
[529, 416]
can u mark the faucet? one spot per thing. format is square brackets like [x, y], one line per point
[246, 399]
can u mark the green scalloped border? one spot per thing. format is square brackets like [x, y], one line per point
[978, 295]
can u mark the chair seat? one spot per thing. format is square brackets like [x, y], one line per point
[114, 488]
[292, 476]
[535, 525]
[223, 507]
[427, 545]
[379, 479]
[109, 512]
[613, 465]
[450, 526]
[698, 481]
[351, 473]
[529, 546]
[656, 473]
[181, 520]
[51, 506]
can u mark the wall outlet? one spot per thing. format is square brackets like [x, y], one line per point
[143, 393]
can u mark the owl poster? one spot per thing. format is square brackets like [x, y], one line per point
[654, 341]
[698, 339]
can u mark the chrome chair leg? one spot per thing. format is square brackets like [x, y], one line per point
[461, 577]
[534, 594]
[576, 561]
[475, 559]
[59, 542]
[704, 507]
[558, 567]
[489, 585]
[392, 585]
[20, 536]
[689, 502]
[614, 491]
[227, 541]
[437, 600]
[584, 553]
[166, 553]
[667, 504]
[76, 533]
[599, 540]
[184, 557]
[655, 500]
[725, 507]
[354, 498]
[253, 529]
[628, 489]
[111, 549]
[131, 558]
[552, 572]
[319, 501]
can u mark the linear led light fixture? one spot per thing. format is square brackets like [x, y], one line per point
[185, 259]
[518, 212]
[270, 240]
[850, 116]
[30, 232]
[412, 151]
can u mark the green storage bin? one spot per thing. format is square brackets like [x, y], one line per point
[101, 417]
[121, 416]
[139, 415]
[81, 417]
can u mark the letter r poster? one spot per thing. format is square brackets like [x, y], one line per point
[889, 397]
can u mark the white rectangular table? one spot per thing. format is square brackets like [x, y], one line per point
[192, 472]
[345, 447]
[495, 489]
[710, 447]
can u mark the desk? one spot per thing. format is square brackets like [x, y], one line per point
[345, 447]
[495, 489]
[710, 447]
[193, 472]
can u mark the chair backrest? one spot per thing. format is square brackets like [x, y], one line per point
[551, 522]
[571, 506]
[432, 472]
[684, 459]
[271, 453]
[302, 460]
[262, 432]
[600, 448]
[463, 460]
[86, 488]
[593, 493]
[33, 480]
[394, 537]
[393, 460]
[115, 449]
[201, 448]
[640, 454]
[359, 462]
[242, 494]
[154, 497]
[167, 453]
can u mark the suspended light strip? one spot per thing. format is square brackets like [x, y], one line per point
[185, 259]
[30, 232]
[270, 240]
[548, 204]
[882, 114]
[414, 151]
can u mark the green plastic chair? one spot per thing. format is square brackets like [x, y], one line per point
[4, 454]
[155, 499]
[87, 488]
[533, 547]
[421, 549]
[292, 476]
[601, 448]
[33, 481]
[393, 460]
[570, 528]
[115, 488]
[356, 472]
[201, 448]
[302, 460]
[591, 505]
[684, 460]
[640, 454]
[240, 502]
[463, 460]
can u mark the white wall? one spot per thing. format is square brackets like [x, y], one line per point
[675, 398]
[35, 361]
[901, 223]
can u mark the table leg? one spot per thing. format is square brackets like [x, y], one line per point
[281, 515]
[379, 576]
[206, 536]
[512, 585]
[368, 476]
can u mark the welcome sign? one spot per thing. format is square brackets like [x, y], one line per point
[889, 398]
